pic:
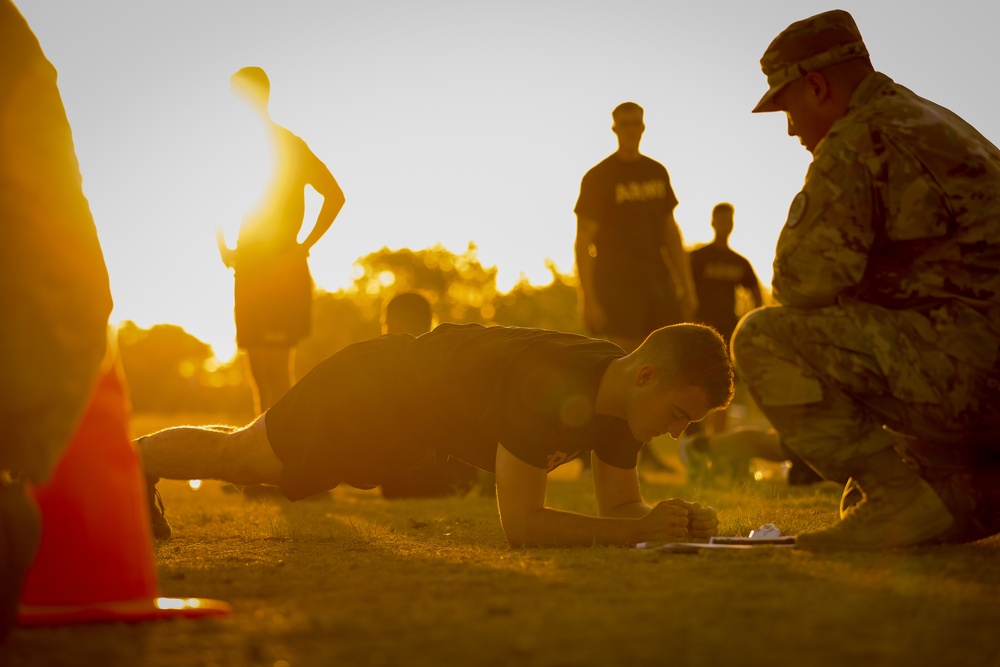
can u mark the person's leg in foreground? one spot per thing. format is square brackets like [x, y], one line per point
[54, 294]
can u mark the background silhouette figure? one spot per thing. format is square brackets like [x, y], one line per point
[273, 291]
[633, 272]
[719, 272]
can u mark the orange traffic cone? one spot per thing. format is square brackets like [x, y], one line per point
[95, 559]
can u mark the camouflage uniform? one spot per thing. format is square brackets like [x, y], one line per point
[888, 276]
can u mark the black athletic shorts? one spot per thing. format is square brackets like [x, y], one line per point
[348, 420]
[273, 295]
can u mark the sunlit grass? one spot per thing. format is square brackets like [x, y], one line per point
[350, 578]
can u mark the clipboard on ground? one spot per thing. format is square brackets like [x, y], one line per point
[720, 543]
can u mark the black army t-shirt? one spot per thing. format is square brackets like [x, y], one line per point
[461, 389]
[717, 272]
[531, 390]
[630, 201]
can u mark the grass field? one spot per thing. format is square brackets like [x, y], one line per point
[353, 579]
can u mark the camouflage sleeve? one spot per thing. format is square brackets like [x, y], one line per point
[823, 247]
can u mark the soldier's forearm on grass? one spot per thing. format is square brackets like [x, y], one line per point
[633, 510]
[527, 521]
[547, 527]
[617, 491]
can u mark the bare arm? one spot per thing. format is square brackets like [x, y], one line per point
[676, 259]
[617, 491]
[527, 521]
[228, 254]
[593, 315]
[618, 496]
[333, 200]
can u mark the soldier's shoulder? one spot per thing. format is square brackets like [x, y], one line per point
[650, 163]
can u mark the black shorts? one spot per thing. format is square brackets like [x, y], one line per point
[637, 297]
[273, 297]
[348, 420]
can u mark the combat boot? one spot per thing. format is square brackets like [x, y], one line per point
[851, 496]
[897, 509]
[157, 519]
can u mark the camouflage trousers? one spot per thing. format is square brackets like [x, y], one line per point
[843, 383]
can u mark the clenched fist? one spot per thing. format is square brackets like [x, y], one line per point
[702, 519]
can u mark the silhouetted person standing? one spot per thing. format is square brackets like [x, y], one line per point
[718, 272]
[273, 286]
[633, 271]
[630, 260]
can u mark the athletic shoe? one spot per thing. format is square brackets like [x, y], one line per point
[157, 520]
[20, 531]
[852, 496]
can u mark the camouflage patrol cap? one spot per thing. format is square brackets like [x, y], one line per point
[806, 46]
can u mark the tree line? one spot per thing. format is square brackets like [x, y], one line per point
[170, 371]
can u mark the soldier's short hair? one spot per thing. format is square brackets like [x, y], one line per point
[626, 107]
[723, 206]
[691, 355]
[408, 312]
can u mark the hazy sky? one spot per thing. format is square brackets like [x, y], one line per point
[447, 121]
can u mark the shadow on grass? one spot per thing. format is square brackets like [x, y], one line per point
[355, 579]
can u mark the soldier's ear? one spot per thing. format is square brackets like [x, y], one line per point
[646, 376]
[817, 86]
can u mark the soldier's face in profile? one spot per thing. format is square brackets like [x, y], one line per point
[801, 105]
[653, 410]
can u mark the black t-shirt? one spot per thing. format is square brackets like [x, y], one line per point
[629, 200]
[378, 406]
[531, 390]
[718, 271]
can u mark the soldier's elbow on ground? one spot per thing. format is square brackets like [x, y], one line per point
[516, 533]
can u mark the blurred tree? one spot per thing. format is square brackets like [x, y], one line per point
[553, 306]
[458, 286]
[338, 320]
[168, 370]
